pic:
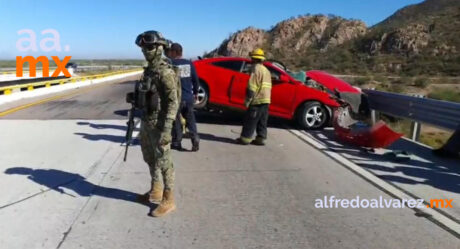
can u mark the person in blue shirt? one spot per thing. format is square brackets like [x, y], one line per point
[189, 83]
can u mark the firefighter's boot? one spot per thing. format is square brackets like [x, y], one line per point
[259, 141]
[243, 140]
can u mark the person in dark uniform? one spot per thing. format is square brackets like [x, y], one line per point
[189, 83]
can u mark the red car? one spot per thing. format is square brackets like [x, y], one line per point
[303, 97]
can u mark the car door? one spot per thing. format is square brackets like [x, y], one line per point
[239, 84]
[283, 89]
[225, 72]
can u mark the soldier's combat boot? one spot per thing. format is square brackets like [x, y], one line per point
[157, 192]
[166, 206]
[154, 195]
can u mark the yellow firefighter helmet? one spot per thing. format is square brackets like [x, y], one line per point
[257, 54]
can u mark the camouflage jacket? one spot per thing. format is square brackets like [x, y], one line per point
[167, 83]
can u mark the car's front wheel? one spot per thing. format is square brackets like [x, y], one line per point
[203, 96]
[312, 115]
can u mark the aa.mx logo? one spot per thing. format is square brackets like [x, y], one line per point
[32, 46]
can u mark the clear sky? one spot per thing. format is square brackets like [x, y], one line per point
[107, 29]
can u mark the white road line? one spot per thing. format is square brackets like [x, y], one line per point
[137, 128]
[433, 214]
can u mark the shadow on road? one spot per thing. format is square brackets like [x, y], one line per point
[124, 113]
[203, 117]
[232, 118]
[103, 126]
[61, 181]
[212, 137]
[106, 137]
[423, 168]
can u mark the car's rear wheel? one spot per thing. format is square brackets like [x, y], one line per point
[312, 115]
[203, 96]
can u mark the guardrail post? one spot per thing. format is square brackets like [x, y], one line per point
[415, 129]
[374, 115]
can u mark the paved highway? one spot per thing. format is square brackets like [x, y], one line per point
[63, 184]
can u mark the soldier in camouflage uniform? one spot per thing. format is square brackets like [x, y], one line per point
[160, 90]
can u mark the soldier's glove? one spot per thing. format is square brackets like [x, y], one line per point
[164, 141]
[164, 129]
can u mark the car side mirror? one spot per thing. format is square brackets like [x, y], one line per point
[284, 78]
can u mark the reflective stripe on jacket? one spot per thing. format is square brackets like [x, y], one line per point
[259, 86]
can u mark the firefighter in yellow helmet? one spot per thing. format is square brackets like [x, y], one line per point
[258, 94]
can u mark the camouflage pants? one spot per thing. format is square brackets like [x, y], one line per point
[157, 154]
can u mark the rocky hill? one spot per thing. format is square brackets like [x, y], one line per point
[294, 35]
[417, 39]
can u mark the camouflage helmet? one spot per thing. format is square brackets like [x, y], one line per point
[151, 37]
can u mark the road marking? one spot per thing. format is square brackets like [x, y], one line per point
[137, 128]
[75, 92]
[433, 215]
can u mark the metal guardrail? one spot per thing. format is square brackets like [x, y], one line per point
[31, 86]
[5, 83]
[442, 114]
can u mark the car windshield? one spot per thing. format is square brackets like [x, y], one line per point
[300, 76]
[279, 65]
